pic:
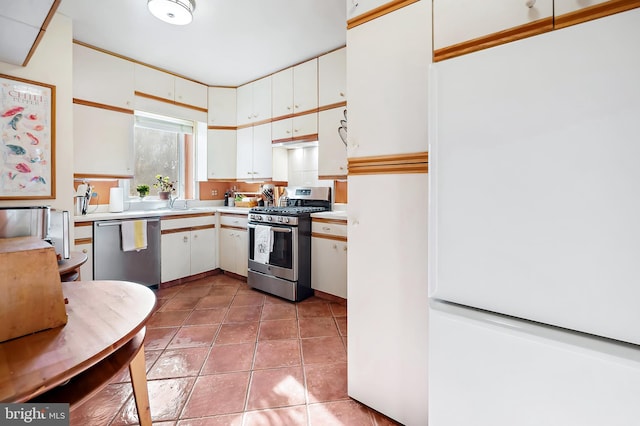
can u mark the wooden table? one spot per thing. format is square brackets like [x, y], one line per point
[70, 268]
[104, 333]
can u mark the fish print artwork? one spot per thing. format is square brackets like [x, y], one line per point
[26, 139]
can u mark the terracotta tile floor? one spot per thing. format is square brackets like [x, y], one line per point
[220, 353]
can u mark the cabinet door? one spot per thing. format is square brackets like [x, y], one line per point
[153, 82]
[262, 99]
[203, 250]
[244, 154]
[329, 266]
[86, 270]
[457, 21]
[102, 78]
[175, 256]
[386, 117]
[242, 247]
[103, 141]
[244, 104]
[332, 77]
[282, 93]
[281, 130]
[305, 125]
[190, 93]
[222, 106]
[262, 155]
[305, 86]
[332, 152]
[221, 154]
[228, 242]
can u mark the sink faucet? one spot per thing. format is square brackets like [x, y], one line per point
[172, 201]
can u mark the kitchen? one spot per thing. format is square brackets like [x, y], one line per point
[390, 99]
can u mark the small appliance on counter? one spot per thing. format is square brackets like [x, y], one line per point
[37, 221]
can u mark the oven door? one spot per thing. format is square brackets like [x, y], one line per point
[283, 259]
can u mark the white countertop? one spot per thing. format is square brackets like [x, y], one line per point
[134, 214]
[334, 214]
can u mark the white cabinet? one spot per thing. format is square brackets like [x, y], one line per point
[387, 271]
[221, 154]
[103, 141]
[222, 106]
[329, 256]
[562, 7]
[458, 21]
[356, 8]
[188, 246]
[102, 78]
[175, 256]
[387, 83]
[295, 89]
[151, 81]
[234, 244]
[300, 128]
[254, 101]
[254, 157]
[332, 151]
[332, 77]
[83, 242]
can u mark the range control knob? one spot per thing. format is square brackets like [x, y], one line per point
[286, 220]
[269, 218]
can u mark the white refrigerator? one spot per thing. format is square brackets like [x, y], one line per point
[534, 231]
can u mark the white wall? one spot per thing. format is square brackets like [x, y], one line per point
[52, 64]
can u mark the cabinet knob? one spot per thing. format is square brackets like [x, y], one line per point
[326, 228]
[288, 107]
[296, 130]
[84, 251]
[185, 239]
[342, 94]
[335, 247]
[297, 106]
[530, 3]
[195, 236]
[344, 248]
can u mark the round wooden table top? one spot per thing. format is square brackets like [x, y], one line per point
[102, 317]
[75, 260]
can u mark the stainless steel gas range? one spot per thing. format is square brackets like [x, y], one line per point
[280, 243]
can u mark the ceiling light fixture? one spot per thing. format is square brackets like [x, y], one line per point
[177, 12]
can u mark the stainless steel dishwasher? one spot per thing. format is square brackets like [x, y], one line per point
[110, 262]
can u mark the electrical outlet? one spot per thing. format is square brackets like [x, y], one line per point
[214, 192]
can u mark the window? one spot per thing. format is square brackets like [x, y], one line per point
[163, 146]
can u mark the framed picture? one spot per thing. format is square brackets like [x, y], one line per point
[27, 139]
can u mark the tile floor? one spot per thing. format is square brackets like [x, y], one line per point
[221, 353]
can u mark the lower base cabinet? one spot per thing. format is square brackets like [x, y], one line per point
[234, 251]
[329, 257]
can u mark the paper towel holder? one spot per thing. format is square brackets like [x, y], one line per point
[116, 200]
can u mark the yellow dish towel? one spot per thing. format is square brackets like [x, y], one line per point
[134, 235]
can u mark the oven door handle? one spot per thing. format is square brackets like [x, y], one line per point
[274, 228]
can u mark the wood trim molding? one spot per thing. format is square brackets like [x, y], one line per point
[396, 164]
[187, 216]
[168, 101]
[100, 176]
[296, 114]
[102, 106]
[255, 123]
[242, 215]
[329, 237]
[222, 127]
[239, 228]
[43, 29]
[594, 12]
[81, 224]
[378, 12]
[303, 138]
[186, 229]
[491, 40]
[332, 106]
[326, 220]
[332, 177]
[79, 241]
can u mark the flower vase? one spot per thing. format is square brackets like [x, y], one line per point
[164, 195]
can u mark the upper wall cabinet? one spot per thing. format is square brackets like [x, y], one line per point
[571, 12]
[102, 78]
[254, 102]
[332, 77]
[222, 107]
[150, 81]
[295, 89]
[464, 26]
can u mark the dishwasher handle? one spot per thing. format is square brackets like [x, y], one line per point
[117, 222]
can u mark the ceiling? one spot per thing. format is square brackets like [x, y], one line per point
[20, 26]
[229, 42]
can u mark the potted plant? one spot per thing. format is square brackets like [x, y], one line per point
[165, 186]
[143, 190]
